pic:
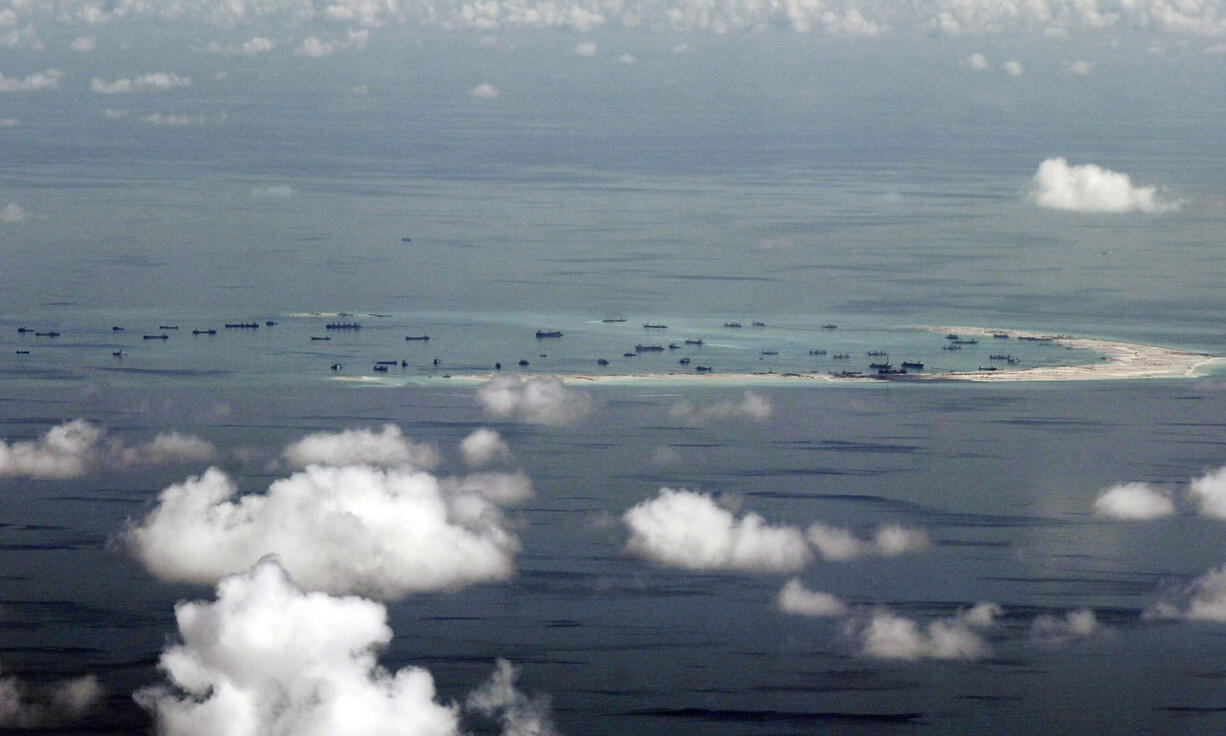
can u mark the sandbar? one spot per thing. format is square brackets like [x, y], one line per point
[1116, 361]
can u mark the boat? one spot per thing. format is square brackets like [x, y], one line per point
[817, 351]
[381, 368]
[601, 361]
[343, 326]
[999, 356]
[876, 352]
[841, 356]
[653, 326]
[542, 334]
[336, 366]
[423, 338]
[732, 324]
[27, 352]
[952, 347]
[386, 362]
[317, 337]
[52, 333]
[23, 330]
[117, 329]
[684, 361]
[770, 352]
[703, 368]
[629, 355]
[758, 324]
[118, 353]
[270, 323]
[830, 327]
[697, 341]
[891, 371]
[612, 320]
[847, 374]
[968, 341]
[1000, 335]
[673, 346]
[648, 348]
[987, 368]
[951, 336]
[523, 363]
[168, 327]
[880, 366]
[912, 364]
[242, 325]
[155, 337]
[209, 331]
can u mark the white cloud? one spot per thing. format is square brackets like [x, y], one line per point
[22, 38]
[387, 448]
[1209, 493]
[1216, 49]
[752, 406]
[484, 91]
[14, 213]
[483, 447]
[1090, 188]
[82, 44]
[690, 530]
[1133, 502]
[266, 657]
[112, 113]
[887, 636]
[890, 540]
[1013, 68]
[519, 714]
[352, 529]
[535, 401]
[316, 48]
[49, 79]
[251, 47]
[52, 705]
[976, 61]
[795, 598]
[1081, 67]
[585, 48]
[151, 82]
[627, 59]
[71, 449]
[172, 120]
[1076, 624]
[1203, 600]
[274, 191]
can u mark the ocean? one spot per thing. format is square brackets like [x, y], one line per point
[654, 200]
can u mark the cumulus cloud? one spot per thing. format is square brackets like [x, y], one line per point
[483, 447]
[14, 213]
[1090, 188]
[752, 406]
[1133, 502]
[82, 44]
[267, 657]
[890, 540]
[251, 47]
[976, 61]
[585, 48]
[1081, 67]
[151, 82]
[627, 59]
[1208, 492]
[353, 529]
[49, 79]
[518, 713]
[1203, 600]
[71, 449]
[535, 401]
[888, 636]
[316, 48]
[484, 91]
[1013, 68]
[387, 448]
[795, 598]
[690, 530]
[1076, 624]
[172, 120]
[22, 706]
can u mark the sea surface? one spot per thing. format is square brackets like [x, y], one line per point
[416, 212]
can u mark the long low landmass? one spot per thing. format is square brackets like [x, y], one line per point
[1117, 360]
